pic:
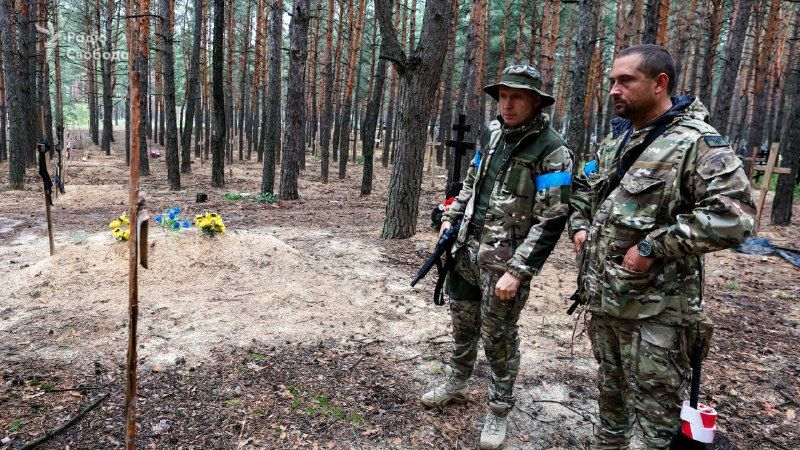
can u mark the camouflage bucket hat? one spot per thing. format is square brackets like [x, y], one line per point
[520, 77]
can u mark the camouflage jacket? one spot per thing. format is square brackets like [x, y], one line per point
[686, 195]
[528, 206]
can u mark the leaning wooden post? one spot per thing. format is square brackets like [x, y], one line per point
[136, 200]
[42, 149]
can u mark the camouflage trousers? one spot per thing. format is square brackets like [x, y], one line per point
[478, 313]
[644, 371]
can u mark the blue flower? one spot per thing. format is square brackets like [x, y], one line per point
[171, 215]
[176, 210]
[176, 225]
[159, 218]
[185, 224]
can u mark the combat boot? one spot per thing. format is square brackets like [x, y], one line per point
[453, 389]
[494, 430]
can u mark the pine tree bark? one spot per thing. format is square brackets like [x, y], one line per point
[547, 59]
[171, 124]
[59, 97]
[255, 95]
[340, 77]
[3, 110]
[107, 64]
[192, 91]
[710, 54]
[369, 126]
[218, 88]
[242, 103]
[446, 111]
[327, 101]
[295, 101]
[18, 140]
[764, 57]
[584, 48]
[272, 144]
[352, 62]
[730, 65]
[790, 157]
[420, 74]
[142, 58]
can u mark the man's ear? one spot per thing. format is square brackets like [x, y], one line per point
[662, 83]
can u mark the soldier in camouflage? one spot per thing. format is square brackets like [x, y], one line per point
[641, 226]
[514, 205]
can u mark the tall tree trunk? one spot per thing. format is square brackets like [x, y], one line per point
[59, 97]
[243, 113]
[790, 157]
[584, 48]
[16, 118]
[272, 147]
[142, 58]
[352, 62]
[295, 101]
[255, 96]
[526, 5]
[107, 63]
[421, 80]
[369, 126]
[3, 110]
[547, 60]
[192, 91]
[327, 101]
[730, 65]
[337, 124]
[173, 171]
[446, 111]
[502, 57]
[764, 57]
[710, 54]
[218, 88]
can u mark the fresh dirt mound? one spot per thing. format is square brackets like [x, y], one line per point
[198, 292]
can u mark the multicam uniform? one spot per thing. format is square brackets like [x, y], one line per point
[686, 195]
[514, 210]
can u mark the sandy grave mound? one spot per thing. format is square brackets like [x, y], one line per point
[201, 292]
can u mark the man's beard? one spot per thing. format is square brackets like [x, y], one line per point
[624, 110]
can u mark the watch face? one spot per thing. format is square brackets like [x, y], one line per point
[644, 249]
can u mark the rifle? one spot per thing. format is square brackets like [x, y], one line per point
[681, 441]
[446, 241]
[578, 298]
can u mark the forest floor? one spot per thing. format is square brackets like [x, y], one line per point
[298, 329]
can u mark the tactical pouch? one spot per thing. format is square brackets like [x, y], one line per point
[629, 295]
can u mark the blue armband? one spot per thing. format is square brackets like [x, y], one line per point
[590, 167]
[553, 179]
[476, 161]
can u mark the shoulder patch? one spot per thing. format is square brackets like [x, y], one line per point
[716, 141]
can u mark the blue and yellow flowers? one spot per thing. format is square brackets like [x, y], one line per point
[120, 228]
[171, 219]
[210, 223]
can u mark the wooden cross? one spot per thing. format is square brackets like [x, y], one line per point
[768, 170]
[459, 146]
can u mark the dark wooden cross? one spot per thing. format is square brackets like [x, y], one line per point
[459, 147]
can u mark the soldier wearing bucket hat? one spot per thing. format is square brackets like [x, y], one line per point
[513, 207]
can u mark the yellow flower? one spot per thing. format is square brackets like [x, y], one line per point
[124, 219]
[114, 224]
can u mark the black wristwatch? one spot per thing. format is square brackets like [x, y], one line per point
[645, 249]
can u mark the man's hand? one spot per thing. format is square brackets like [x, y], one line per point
[578, 239]
[445, 225]
[507, 286]
[635, 262]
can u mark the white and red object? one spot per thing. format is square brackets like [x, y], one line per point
[699, 424]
